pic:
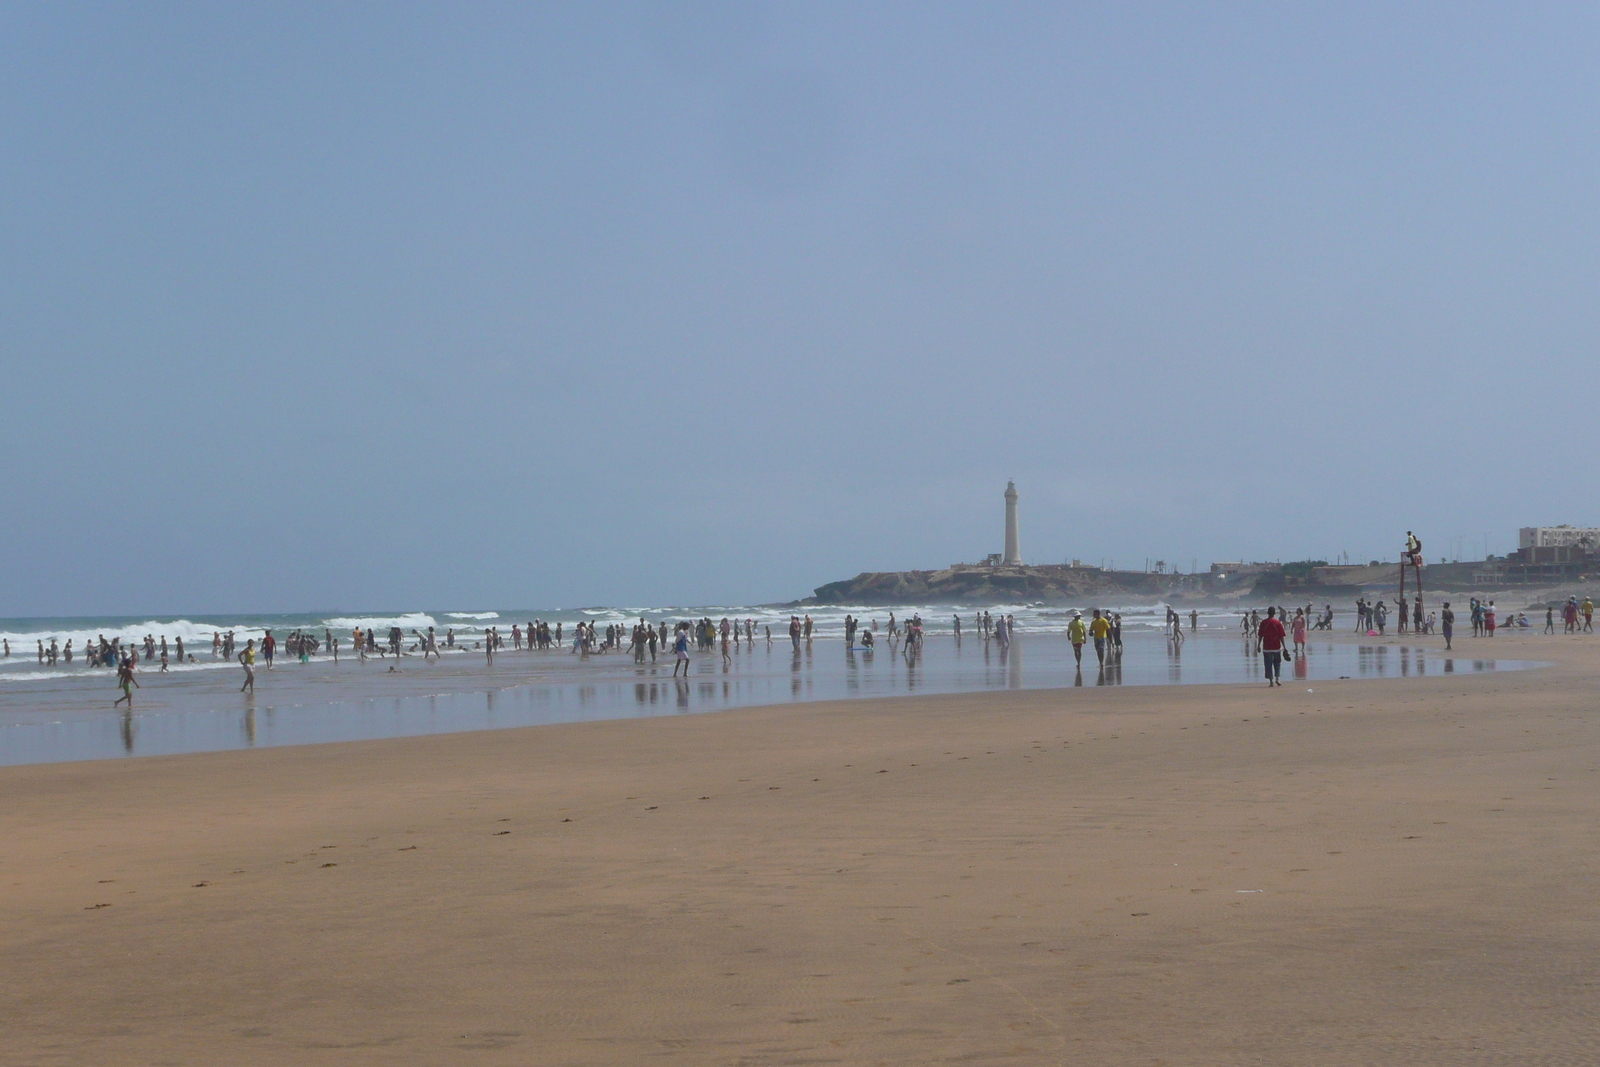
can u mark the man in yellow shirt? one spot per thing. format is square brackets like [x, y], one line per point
[1098, 630]
[1076, 632]
[1587, 607]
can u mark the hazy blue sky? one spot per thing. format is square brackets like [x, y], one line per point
[396, 306]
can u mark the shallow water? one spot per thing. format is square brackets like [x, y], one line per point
[69, 717]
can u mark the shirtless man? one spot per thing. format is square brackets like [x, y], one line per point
[126, 681]
[247, 660]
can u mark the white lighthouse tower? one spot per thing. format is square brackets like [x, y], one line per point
[1013, 546]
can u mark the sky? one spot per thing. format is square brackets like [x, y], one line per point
[400, 306]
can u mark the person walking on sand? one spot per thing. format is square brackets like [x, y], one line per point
[1447, 623]
[1298, 630]
[680, 650]
[1271, 636]
[1488, 620]
[1098, 629]
[247, 660]
[126, 682]
[1587, 610]
[1076, 633]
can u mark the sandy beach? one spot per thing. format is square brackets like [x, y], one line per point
[1394, 871]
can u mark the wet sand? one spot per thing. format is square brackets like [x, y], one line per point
[66, 719]
[1395, 871]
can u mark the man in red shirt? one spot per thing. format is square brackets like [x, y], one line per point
[1272, 651]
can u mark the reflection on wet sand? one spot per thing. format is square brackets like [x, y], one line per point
[187, 717]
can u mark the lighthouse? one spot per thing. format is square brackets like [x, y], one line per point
[1013, 546]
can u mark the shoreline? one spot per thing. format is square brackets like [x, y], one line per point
[63, 720]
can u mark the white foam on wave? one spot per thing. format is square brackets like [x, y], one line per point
[416, 620]
[195, 635]
[472, 614]
[79, 668]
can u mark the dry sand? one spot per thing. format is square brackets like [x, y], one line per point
[1387, 872]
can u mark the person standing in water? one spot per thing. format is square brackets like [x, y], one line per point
[680, 651]
[247, 660]
[126, 682]
[1098, 629]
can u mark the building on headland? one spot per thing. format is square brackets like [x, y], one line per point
[1545, 555]
[1586, 537]
[1013, 543]
[1225, 571]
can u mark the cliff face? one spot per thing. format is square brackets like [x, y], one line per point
[993, 585]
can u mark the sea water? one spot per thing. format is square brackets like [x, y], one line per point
[65, 712]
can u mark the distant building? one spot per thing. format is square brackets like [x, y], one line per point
[1586, 537]
[1547, 554]
[1223, 571]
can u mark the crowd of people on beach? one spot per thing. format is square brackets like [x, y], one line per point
[644, 642]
